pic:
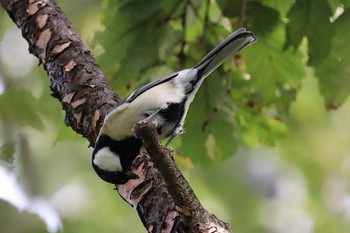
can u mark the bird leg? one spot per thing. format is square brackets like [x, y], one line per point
[177, 131]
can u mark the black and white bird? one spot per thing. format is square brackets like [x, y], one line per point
[164, 102]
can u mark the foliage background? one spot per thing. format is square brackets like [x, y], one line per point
[266, 147]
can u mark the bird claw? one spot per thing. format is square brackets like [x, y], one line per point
[155, 123]
[178, 131]
[145, 121]
[170, 150]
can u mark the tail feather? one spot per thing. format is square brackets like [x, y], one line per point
[227, 48]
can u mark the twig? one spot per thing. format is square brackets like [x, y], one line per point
[243, 13]
[181, 55]
[183, 196]
[178, 187]
[195, 10]
[173, 10]
[206, 17]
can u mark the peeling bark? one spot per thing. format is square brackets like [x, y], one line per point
[76, 79]
[86, 97]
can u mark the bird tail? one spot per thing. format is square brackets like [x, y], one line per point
[227, 48]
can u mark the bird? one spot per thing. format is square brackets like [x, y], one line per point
[164, 102]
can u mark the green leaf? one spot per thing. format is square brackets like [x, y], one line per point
[229, 8]
[115, 40]
[310, 18]
[132, 38]
[7, 151]
[223, 129]
[263, 98]
[334, 72]
[259, 18]
[276, 74]
[211, 132]
[334, 4]
[21, 107]
[142, 52]
[281, 6]
[339, 3]
[140, 9]
[345, 3]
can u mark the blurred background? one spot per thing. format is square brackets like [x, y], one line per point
[266, 147]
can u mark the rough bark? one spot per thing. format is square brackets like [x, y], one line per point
[164, 205]
[197, 219]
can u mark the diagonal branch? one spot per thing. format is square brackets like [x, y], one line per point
[184, 198]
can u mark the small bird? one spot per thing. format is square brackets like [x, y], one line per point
[164, 102]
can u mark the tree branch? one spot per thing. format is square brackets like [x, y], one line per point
[184, 198]
[177, 185]
[78, 83]
[243, 13]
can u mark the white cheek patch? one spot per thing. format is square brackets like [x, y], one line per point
[107, 160]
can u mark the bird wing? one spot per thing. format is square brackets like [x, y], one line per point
[148, 86]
